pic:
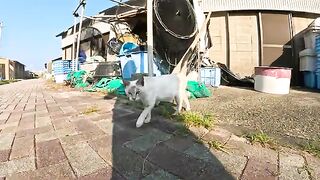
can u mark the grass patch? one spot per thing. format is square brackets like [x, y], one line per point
[312, 147]
[182, 130]
[259, 137]
[2, 82]
[166, 110]
[195, 119]
[91, 109]
[217, 145]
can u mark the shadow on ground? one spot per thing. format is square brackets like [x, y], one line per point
[158, 150]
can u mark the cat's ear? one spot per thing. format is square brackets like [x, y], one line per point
[140, 81]
[126, 83]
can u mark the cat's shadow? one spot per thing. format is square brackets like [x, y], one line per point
[160, 149]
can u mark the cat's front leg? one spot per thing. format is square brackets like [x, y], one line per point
[144, 115]
[148, 118]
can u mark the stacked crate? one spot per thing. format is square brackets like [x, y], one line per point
[317, 69]
[61, 68]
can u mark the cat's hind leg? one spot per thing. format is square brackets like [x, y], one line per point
[179, 101]
[186, 103]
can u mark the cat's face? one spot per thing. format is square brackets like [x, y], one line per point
[133, 89]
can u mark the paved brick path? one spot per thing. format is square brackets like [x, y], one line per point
[59, 134]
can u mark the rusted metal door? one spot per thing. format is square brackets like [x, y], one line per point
[276, 40]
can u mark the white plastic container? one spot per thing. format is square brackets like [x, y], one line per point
[59, 78]
[273, 80]
[308, 59]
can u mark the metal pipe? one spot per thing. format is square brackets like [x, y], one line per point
[150, 36]
[74, 44]
[79, 33]
[82, 2]
[124, 4]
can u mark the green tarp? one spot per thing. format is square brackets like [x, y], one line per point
[76, 79]
[198, 90]
[114, 85]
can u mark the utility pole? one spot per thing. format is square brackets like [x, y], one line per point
[150, 36]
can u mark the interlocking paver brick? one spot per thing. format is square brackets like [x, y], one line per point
[73, 139]
[46, 136]
[106, 126]
[22, 147]
[103, 174]
[313, 163]
[43, 121]
[181, 164]
[16, 166]
[30, 132]
[56, 171]
[180, 143]
[4, 155]
[24, 125]
[129, 164]
[3, 121]
[103, 146]
[260, 169]
[161, 175]
[6, 141]
[66, 132]
[83, 159]
[217, 134]
[291, 167]
[147, 141]
[61, 123]
[4, 116]
[11, 124]
[49, 153]
[10, 129]
[15, 117]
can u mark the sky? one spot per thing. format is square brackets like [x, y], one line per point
[31, 26]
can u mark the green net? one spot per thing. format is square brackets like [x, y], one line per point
[198, 90]
[76, 79]
[113, 85]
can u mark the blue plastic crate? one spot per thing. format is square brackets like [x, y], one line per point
[318, 81]
[210, 76]
[310, 80]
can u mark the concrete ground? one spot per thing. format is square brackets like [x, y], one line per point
[292, 119]
[53, 133]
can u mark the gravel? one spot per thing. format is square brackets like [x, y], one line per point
[290, 118]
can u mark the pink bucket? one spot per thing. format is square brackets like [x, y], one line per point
[274, 80]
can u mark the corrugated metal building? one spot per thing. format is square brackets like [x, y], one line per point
[249, 33]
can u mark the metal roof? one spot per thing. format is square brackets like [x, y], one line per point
[115, 10]
[310, 6]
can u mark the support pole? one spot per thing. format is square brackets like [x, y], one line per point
[74, 44]
[79, 33]
[150, 36]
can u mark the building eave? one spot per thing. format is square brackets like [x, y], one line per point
[310, 6]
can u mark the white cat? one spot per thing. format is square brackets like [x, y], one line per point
[151, 90]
